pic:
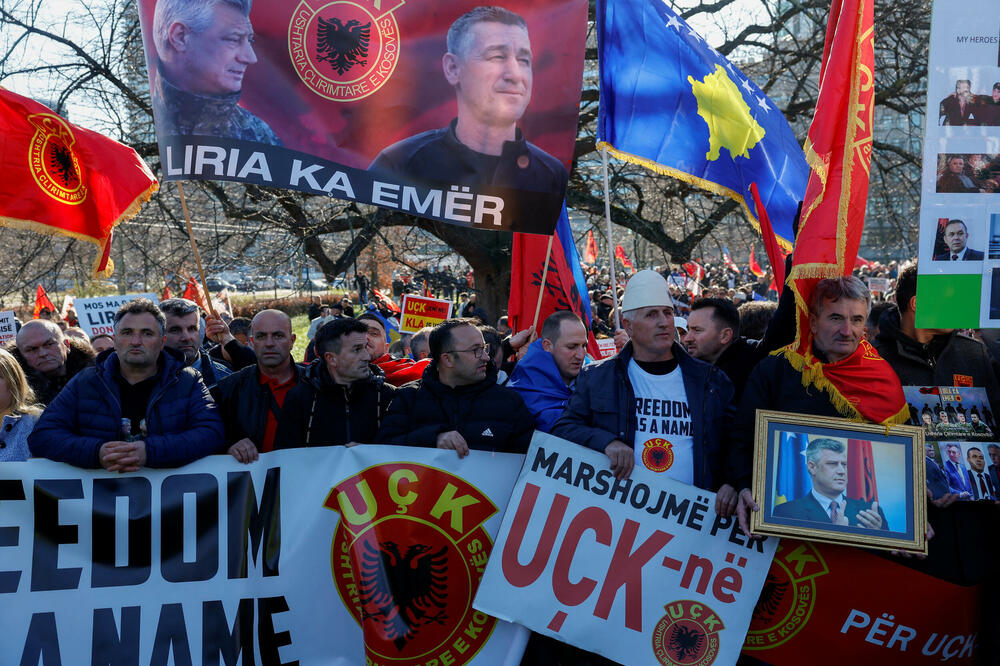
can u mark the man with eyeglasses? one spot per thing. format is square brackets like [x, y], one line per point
[458, 404]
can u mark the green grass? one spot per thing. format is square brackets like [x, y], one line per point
[300, 326]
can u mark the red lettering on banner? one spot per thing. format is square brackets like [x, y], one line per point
[522, 575]
[625, 571]
[592, 518]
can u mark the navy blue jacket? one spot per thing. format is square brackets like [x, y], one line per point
[602, 409]
[182, 420]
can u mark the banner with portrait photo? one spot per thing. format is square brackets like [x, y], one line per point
[363, 101]
[961, 170]
[326, 556]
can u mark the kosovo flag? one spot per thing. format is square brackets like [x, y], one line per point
[792, 479]
[674, 104]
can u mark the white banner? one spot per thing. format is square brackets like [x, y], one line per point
[97, 315]
[7, 332]
[642, 571]
[223, 563]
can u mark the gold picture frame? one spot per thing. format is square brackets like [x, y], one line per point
[791, 470]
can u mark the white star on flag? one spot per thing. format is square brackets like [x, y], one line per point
[762, 102]
[674, 23]
[695, 34]
[746, 86]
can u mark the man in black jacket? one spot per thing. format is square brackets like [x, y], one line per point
[251, 400]
[342, 398]
[458, 404]
[713, 336]
[48, 358]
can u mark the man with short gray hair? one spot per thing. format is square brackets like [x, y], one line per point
[852, 378]
[827, 502]
[184, 333]
[49, 358]
[141, 406]
[489, 64]
[204, 49]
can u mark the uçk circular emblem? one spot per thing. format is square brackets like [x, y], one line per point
[658, 454]
[688, 635]
[344, 50]
[52, 160]
[789, 594]
[407, 556]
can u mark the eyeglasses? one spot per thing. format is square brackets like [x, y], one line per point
[478, 351]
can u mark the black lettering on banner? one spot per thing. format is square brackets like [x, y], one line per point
[10, 490]
[206, 562]
[218, 638]
[565, 471]
[267, 640]
[602, 481]
[41, 645]
[584, 473]
[109, 647]
[140, 531]
[672, 508]
[547, 462]
[261, 526]
[49, 535]
[171, 637]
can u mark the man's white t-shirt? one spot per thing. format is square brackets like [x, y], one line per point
[664, 441]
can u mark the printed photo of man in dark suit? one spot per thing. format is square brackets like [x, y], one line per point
[956, 238]
[827, 502]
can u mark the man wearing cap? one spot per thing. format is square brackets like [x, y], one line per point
[653, 404]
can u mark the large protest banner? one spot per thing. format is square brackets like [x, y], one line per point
[642, 570]
[959, 243]
[282, 561]
[841, 605]
[359, 101]
[97, 315]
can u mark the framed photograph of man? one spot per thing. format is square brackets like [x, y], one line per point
[834, 480]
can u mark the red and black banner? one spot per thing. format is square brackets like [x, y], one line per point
[310, 96]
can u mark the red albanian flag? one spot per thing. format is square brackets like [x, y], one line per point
[754, 266]
[42, 302]
[622, 257]
[194, 292]
[62, 179]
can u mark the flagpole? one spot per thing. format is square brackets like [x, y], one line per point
[611, 244]
[541, 288]
[194, 248]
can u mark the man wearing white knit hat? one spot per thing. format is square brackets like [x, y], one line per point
[653, 404]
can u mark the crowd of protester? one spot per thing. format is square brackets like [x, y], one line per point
[694, 359]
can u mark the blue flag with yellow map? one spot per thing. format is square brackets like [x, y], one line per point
[674, 104]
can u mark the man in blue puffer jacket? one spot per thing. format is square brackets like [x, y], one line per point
[140, 406]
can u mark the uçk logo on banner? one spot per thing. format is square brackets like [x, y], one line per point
[302, 557]
[372, 101]
[641, 570]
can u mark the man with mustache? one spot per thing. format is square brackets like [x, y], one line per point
[489, 64]
[204, 49]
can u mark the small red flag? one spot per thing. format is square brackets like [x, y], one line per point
[694, 270]
[62, 179]
[620, 255]
[754, 266]
[194, 292]
[775, 254]
[42, 301]
[388, 302]
[167, 294]
[590, 254]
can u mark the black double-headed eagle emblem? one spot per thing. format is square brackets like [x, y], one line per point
[343, 46]
[403, 592]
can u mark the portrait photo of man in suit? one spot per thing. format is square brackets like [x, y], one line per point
[827, 502]
[958, 480]
[956, 238]
[979, 478]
